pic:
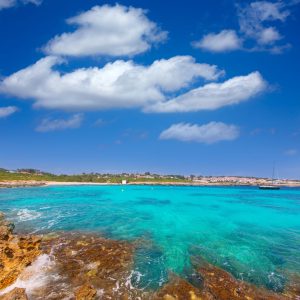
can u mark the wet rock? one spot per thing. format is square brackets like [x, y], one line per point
[6, 228]
[4, 232]
[85, 292]
[179, 289]
[88, 263]
[219, 284]
[16, 252]
[15, 294]
[292, 289]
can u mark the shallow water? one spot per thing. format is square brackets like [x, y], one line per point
[252, 233]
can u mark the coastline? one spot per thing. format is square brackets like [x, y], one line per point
[33, 183]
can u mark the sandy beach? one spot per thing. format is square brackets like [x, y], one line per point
[32, 183]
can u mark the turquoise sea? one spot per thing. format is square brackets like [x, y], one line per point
[254, 234]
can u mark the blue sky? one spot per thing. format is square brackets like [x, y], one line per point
[196, 87]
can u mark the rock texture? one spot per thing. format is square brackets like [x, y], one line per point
[85, 292]
[218, 284]
[15, 294]
[179, 289]
[87, 264]
[16, 252]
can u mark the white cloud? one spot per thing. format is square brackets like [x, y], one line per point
[291, 152]
[258, 30]
[208, 133]
[214, 95]
[7, 4]
[107, 30]
[7, 111]
[11, 3]
[121, 84]
[254, 16]
[226, 40]
[268, 36]
[60, 124]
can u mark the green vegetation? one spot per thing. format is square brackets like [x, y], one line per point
[36, 175]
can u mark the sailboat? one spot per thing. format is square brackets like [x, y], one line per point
[270, 186]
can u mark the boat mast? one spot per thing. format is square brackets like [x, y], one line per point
[273, 173]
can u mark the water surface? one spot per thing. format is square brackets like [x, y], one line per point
[252, 233]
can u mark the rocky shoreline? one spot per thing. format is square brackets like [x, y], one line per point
[86, 267]
[16, 184]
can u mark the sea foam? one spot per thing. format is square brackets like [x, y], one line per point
[33, 277]
[28, 215]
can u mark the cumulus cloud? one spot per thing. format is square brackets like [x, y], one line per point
[11, 3]
[214, 95]
[107, 30]
[7, 111]
[226, 40]
[60, 124]
[258, 29]
[208, 133]
[120, 84]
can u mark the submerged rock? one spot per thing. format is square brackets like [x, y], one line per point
[292, 288]
[219, 284]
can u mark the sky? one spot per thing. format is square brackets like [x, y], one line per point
[181, 87]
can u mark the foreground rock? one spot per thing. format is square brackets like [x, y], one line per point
[15, 294]
[88, 267]
[16, 252]
[179, 289]
[86, 292]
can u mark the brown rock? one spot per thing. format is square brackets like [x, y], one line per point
[178, 289]
[88, 263]
[217, 284]
[221, 285]
[16, 252]
[292, 288]
[85, 292]
[4, 232]
[6, 228]
[15, 294]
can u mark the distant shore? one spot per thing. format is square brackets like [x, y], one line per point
[32, 183]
